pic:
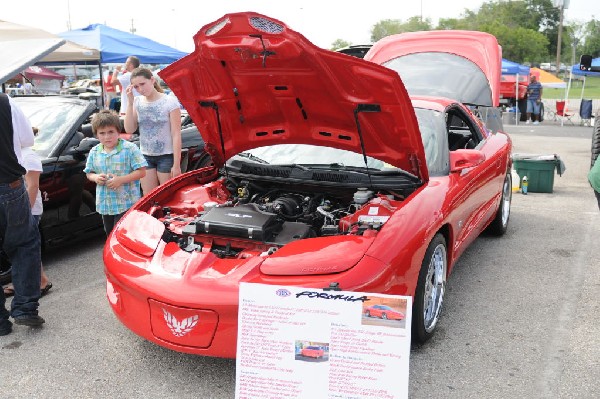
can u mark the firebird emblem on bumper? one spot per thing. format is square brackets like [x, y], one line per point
[180, 328]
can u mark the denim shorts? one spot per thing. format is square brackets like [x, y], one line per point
[162, 163]
[533, 107]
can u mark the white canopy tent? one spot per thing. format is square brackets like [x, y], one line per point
[22, 46]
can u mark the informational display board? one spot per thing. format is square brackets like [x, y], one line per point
[308, 343]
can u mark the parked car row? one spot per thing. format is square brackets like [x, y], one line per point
[63, 142]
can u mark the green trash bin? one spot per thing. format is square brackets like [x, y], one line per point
[539, 170]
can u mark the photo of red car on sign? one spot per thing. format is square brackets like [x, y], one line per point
[383, 312]
[312, 351]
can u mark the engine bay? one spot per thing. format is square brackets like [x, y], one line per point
[237, 217]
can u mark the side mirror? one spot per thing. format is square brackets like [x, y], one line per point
[464, 158]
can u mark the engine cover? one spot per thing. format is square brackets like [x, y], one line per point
[246, 221]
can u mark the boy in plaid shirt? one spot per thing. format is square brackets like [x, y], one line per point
[116, 166]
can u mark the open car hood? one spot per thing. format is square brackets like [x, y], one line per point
[252, 81]
[461, 65]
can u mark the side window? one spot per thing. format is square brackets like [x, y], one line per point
[462, 133]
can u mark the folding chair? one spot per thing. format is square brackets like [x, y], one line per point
[561, 112]
[585, 112]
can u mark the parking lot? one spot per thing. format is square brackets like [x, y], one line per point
[521, 317]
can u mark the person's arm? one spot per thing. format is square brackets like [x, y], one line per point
[23, 132]
[131, 118]
[32, 180]
[115, 80]
[175, 119]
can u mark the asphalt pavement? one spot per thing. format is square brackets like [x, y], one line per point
[521, 319]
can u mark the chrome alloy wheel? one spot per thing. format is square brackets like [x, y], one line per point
[435, 286]
[506, 199]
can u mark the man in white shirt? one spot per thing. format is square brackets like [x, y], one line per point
[18, 229]
[124, 79]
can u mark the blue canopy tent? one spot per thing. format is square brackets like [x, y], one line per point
[575, 70]
[115, 45]
[513, 68]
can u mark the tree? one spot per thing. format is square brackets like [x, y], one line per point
[520, 26]
[590, 38]
[389, 27]
[519, 44]
[339, 43]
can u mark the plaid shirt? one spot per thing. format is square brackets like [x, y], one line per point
[122, 160]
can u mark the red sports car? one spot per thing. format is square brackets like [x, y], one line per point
[383, 312]
[312, 351]
[324, 171]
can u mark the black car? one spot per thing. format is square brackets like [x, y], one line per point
[63, 142]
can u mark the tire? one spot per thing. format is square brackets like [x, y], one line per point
[500, 223]
[596, 139]
[203, 160]
[384, 316]
[367, 314]
[431, 287]
[541, 112]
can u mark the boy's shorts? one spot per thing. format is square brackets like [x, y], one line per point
[162, 163]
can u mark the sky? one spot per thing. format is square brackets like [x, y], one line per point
[174, 22]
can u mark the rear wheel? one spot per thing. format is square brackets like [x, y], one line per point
[431, 287]
[596, 139]
[500, 223]
[384, 316]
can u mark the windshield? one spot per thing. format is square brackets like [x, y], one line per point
[432, 125]
[52, 119]
[443, 75]
[435, 140]
[306, 154]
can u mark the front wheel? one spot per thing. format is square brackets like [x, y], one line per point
[431, 287]
[500, 223]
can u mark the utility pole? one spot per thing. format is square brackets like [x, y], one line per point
[68, 15]
[558, 44]
[132, 30]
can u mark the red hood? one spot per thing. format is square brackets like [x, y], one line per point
[480, 48]
[261, 83]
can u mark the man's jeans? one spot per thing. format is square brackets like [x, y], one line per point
[533, 107]
[21, 242]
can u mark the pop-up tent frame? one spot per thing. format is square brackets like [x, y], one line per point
[513, 68]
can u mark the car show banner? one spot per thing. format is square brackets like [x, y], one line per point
[296, 342]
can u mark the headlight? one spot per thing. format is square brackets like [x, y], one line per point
[140, 232]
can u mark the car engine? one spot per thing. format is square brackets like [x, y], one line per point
[244, 214]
